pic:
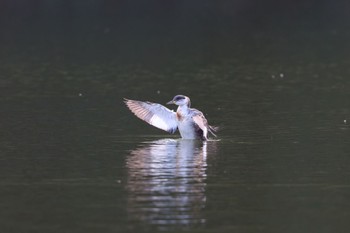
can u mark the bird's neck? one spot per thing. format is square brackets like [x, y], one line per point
[183, 109]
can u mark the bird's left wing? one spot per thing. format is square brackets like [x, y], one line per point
[154, 114]
[202, 123]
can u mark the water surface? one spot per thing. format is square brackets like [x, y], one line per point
[74, 159]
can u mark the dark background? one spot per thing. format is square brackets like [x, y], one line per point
[48, 47]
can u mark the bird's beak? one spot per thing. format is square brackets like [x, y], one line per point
[170, 102]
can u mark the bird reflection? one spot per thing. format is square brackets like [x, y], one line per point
[166, 183]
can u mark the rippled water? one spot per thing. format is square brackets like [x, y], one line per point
[87, 164]
[167, 182]
[74, 159]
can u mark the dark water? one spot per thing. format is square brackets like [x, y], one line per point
[274, 78]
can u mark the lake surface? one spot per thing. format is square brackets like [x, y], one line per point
[74, 159]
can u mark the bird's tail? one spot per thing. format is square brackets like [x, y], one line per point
[213, 129]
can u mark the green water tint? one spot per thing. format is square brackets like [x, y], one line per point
[74, 159]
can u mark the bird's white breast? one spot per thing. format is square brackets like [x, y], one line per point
[185, 123]
[186, 128]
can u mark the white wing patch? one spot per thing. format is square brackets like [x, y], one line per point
[159, 123]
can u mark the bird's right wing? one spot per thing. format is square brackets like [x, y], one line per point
[154, 114]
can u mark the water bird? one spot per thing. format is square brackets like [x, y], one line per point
[191, 122]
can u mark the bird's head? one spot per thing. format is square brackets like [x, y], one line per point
[180, 100]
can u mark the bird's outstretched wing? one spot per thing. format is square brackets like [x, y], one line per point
[154, 114]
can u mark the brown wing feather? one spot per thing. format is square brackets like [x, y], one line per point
[202, 123]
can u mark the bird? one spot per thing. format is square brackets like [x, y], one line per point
[190, 122]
